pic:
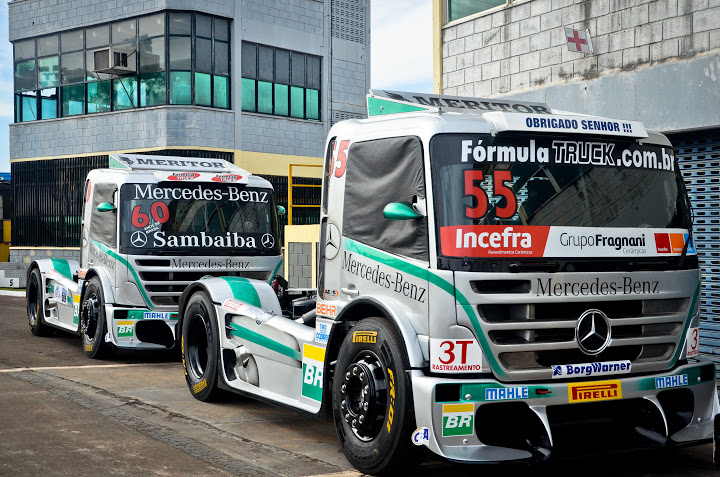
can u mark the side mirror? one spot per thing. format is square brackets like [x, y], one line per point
[281, 210]
[400, 211]
[106, 207]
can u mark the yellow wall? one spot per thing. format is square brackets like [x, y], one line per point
[260, 163]
[438, 16]
[302, 234]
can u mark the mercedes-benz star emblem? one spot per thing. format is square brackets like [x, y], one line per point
[268, 241]
[138, 239]
[332, 241]
[592, 332]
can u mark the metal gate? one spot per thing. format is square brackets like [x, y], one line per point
[699, 157]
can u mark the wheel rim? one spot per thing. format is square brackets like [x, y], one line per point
[33, 301]
[196, 346]
[89, 316]
[363, 395]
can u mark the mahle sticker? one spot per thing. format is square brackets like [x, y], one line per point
[313, 363]
[458, 419]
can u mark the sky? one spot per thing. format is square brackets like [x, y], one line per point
[401, 56]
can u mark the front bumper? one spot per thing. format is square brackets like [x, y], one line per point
[482, 420]
[137, 328]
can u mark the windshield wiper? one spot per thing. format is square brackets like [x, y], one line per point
[539, 266]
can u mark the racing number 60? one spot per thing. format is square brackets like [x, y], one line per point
[499, 178]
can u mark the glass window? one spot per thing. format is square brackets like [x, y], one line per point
[203, 26]
[98, 97]
[312, 101]
[73, 100]
[281, 100]
[48, 72]
[203, 55]
[462, 8]
[249, 61]
[282, 66]
[203, 95]
[313, 72]
[47, 45]
[297, 102]
[179, 23]
[90, 66]
[72, 40]
[153, 25]
[28, 106]
[25, 50]
[265, 63]
[222, 66]
[97, 37]
[180, 87]
[152, 89]
[298, 69]
[265, 98]
[180, 53]
[125, 93]
[48, 103]
[222, 30]
[25, 75]
[221, 92]
[123, 32]
[248, 95]
[73, 70]
[152, 55]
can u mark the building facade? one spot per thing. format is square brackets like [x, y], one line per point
[655, 61]
[255, 82]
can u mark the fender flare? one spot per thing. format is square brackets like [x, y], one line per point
[253, 292]
[63, 266]
[397, 318]
[108, 295]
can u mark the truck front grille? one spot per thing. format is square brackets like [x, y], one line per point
[164, 285]
[528, 333]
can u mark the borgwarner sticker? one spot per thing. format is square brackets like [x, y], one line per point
[591, 369]
[553, 241]
[455, 356]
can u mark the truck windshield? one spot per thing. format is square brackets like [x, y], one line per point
[198, 219]
[551, 196]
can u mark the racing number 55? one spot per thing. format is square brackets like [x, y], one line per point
[499, 178]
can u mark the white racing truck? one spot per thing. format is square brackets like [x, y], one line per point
[151, 225]
[497, 281]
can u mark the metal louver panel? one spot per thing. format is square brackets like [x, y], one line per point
[699, 157]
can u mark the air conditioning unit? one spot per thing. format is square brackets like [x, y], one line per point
[113, 61]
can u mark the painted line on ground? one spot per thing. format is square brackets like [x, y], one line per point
[12, 293]
[51, 368]
[345, 473]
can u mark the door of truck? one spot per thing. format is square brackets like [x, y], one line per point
[368, 256]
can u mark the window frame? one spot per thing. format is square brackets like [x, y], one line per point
[22, 96]
[289, 84]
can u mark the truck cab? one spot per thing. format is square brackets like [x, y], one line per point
[497, 281]
[150, 226]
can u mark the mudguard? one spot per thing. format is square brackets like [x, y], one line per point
[65, 268]
[395, 314]
[107, 287]
[221, 289]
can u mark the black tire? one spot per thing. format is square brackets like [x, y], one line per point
[36, 304]
[93, 323]
[200, 345]
[374, 427]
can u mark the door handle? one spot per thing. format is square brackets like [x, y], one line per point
[350, 291]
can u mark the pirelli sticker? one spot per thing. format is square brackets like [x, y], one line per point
[595, 391]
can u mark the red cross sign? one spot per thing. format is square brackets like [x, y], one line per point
[578, 40]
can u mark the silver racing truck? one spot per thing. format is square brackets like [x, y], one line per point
[151, 225]
[497, 281]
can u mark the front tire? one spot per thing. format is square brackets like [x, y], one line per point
[93, 323]
[372, 400]
[35, 304]
[200, 345]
